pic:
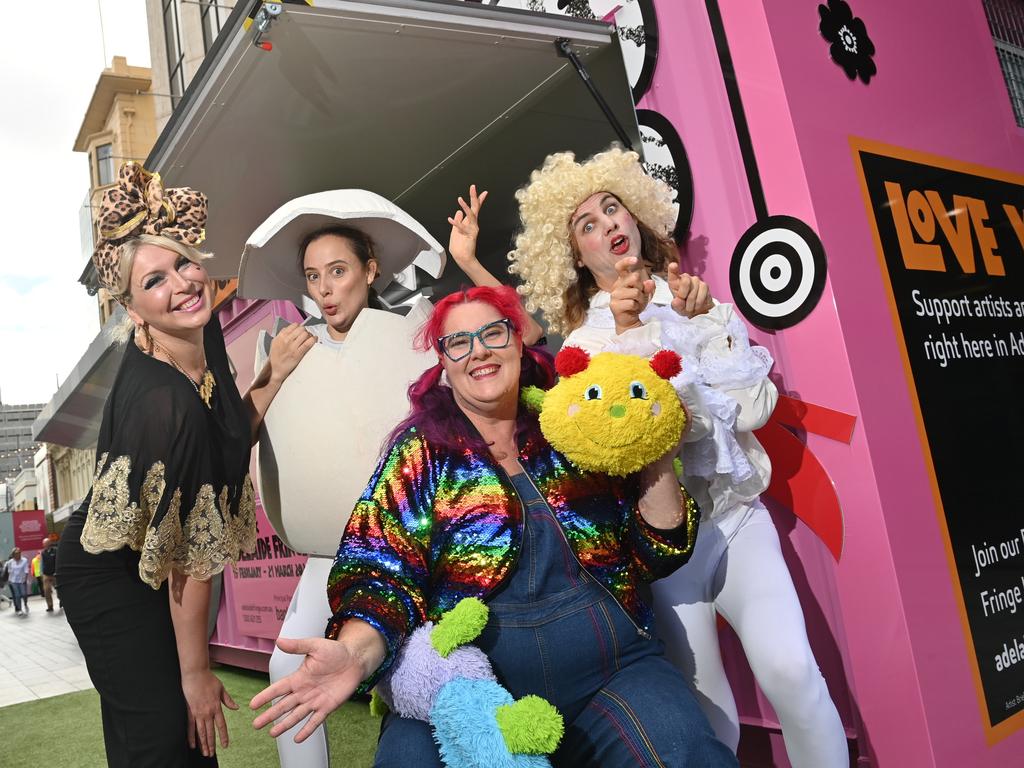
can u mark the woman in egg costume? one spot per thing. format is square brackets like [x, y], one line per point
[327, 252]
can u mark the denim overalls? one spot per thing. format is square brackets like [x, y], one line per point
[554, 631]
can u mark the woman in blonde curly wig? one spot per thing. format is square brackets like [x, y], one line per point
[546, 256]
[594, 237]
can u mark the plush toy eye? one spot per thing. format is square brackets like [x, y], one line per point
[637, 391]
[593, 392]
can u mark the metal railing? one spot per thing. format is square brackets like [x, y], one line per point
[1006, 21]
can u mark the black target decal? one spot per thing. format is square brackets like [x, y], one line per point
[665, 159]
[777, 273]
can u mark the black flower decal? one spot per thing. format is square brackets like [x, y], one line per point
[851, 49]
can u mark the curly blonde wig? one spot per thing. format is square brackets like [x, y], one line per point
[544, 253]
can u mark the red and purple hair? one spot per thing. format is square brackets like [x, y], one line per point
[433, 410]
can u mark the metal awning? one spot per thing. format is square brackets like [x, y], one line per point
[411, 99]
[72, 417]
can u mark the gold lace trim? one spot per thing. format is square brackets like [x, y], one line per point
[210, 536]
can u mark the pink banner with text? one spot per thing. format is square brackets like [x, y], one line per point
[263, 582]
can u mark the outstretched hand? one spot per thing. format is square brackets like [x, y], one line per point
[327, 677]
[632, 290]
[466, 228]
[690, 295]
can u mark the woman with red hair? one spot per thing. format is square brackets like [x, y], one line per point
[470, 500]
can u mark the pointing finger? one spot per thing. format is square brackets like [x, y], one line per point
[628, 280]
[626, 265]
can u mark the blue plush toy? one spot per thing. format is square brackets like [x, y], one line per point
[441, 680]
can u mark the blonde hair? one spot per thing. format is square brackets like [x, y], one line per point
[544, 254]
[126, 259]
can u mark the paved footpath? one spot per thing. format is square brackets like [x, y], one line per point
[39, 656]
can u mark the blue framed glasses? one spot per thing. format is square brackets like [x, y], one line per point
[458, 345]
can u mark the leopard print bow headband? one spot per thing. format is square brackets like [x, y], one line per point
[138, 204]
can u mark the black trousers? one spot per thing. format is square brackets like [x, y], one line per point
[124, 629]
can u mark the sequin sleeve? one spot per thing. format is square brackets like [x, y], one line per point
[657, 553]
[381, 572]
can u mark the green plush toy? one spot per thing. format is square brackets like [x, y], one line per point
[612, 413]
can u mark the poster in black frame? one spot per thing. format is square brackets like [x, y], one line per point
[950, 241]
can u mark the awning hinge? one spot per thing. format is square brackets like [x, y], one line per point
[261, 24]
[566, 52]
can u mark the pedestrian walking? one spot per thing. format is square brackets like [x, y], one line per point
[17, 571]
[49, 562]
[36, 567]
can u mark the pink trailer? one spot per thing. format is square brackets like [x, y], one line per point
[902, 367]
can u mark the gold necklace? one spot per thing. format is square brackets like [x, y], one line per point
[206, 384]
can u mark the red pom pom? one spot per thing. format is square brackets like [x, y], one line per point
[667, 363]
[571, 360]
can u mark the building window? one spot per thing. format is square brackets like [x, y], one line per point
[104, 165]
[175, 56]
[1006, 20]
[212, 17]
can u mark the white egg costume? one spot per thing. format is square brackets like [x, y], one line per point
[322, 435]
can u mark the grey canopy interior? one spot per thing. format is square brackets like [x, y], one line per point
[411, 99]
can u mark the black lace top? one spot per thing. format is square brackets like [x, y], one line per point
[172, 478]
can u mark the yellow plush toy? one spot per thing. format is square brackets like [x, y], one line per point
[612, 413]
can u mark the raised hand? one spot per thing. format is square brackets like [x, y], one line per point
[630, 293]
[287, 349]
[690, 294]
[329, 674]
[465, 228]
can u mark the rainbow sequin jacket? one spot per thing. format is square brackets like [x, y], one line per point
[434, 526]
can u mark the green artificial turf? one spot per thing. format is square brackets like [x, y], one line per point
[66, 730]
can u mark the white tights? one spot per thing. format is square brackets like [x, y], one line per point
[307, 616]
[737, 569]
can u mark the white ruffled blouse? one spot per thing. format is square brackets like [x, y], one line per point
[724, 384]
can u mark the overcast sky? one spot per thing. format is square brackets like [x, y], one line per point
[49, 63]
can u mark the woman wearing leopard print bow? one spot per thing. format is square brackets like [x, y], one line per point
[171, 502]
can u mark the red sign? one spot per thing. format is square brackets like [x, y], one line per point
[29, 529]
